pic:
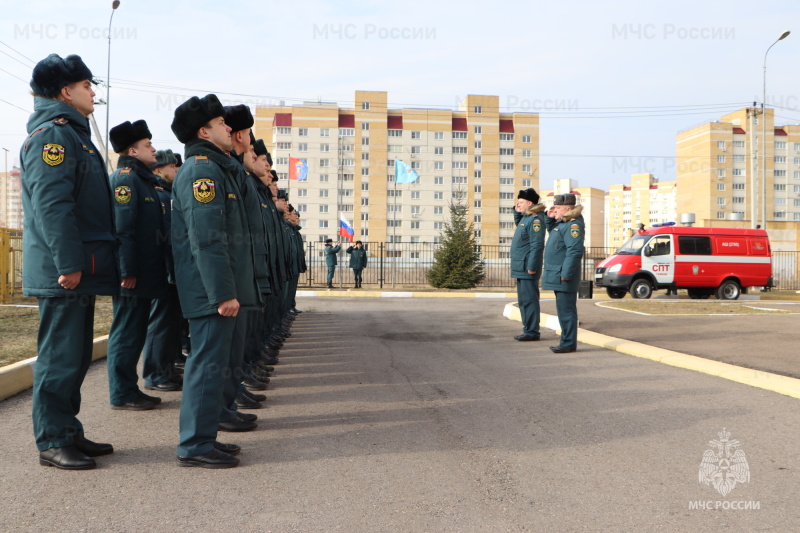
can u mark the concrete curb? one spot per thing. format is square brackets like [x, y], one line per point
[349, 293]
[17, 377]
[747, 376]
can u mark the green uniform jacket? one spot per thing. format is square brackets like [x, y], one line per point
[211, 244]
[330, 254]
[164, 192]
[527, 245]
[139, 218]
[66, 197]
[274, 232]
[300, 246]
[358, 258]
[256, 224]
[295, 251]
[563, 252]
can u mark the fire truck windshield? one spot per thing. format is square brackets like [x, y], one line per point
[634, 245]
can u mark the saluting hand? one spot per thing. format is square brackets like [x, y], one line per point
[128, 282]
[229, 308]
[70, 281]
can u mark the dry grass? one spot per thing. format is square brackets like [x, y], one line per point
[19, 326]
[696, 307]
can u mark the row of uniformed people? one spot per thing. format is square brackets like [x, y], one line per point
[225, 259]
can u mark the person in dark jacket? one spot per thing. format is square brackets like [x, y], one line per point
[358, 261]
[331, 259]
[69, 250]
[162, 350]
[562, 265]
[527, 248]
[140, 228]
[214, 270]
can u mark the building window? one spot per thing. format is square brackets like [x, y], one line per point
[364, 201]
[506, 181]
[323, 223]
[302, 132]
[721, 145]
[364, 105]
[438, 165]
[324, 147]
[526, 138]
[438, 180]
[364, 126]
[738, 158]
[301, 208]
[438, 150]
[477, 130]
[302, 147]
[478, 145]
[720, 186]
[364, 232]
[345, 192]
[323, 163]
[415, 195]
[393, 223]
[526, 153]
[394, 208]
[416, 135]
[284, 130]
[738, 172]
[476, 174]
[506, 136]
[720, 159]
[506, 166]
[779, 173]
[476, 219]
[476, 203]
[438, 225]
[478, 110]
[365, 156]
[394, 193]
[780, 145]
[415, 209]
[395, 133]
[365, 171]
[459, 135]
[438, 195]
[438, 136]
[438, 210]
[738, 186]
[324, 132]
[416, 149]
[506, 195]
[459, 165]
[365, 186]
[526, 183]
[720, 172]
[323, 208]
[364, 141]
[284, 146]
[738, 144]
[323, 193]
[720, 215]
[526, 169]
[415, 224]
[347, 132]
[416, 165]
[779, 186]
[478, 159]
[364, 217]
[477, 189]
[459, 179]
[323, 178]
[459, 149]
[506, 151]
[301, 193]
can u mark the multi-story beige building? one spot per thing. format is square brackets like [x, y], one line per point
[720, 164]
[11, 199]
[644, 201]
[475, 155]
[593, 202]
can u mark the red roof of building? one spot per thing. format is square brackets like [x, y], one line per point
[780, 131]
[282, 119]
[347, 121]
[626, 188]
[394, 123]
[653, 187]
[506, 126]
[459, 124]
[738, 130]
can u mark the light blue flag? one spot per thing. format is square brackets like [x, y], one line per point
[404, 173]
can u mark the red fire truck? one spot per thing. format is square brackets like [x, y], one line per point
[704, 261]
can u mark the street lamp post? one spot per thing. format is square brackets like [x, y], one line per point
[764, 137]
[114, 6]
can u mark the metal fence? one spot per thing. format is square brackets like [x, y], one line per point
[786, 271]
[10, 264]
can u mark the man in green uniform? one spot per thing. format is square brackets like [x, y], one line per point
[358, 261]
[69, 250]
[162, 350]
[140, 229]
[527, 248]
[331, 259]
[562, 265]
[293, 217]
[214, 270]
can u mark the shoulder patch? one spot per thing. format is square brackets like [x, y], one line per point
[575, 230]
[537, 225]
[232, 196]
[124, 171]
[204, 190]
[60, 121]
[53, 154]
[91, 152]
[200, 159]
[122, 194]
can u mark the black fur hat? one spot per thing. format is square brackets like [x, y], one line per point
[238, 117]
[260, 148]
[126, 134]
[164, 158]
[195, 113]
[565, 199]
[274, 175]
[178, 160]
[283, 194]
[529, 194]
[52, 73]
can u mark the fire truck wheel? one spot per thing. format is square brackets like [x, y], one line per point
[729, 290]
[615, 293]
[641, 289]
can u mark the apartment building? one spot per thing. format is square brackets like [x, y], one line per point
[11, 199]
[476, 155]
[644, 200]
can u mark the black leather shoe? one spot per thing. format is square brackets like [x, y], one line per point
[243, 402]
[155, 399]
[168, 386]
[237, 425]
[265, 368]
[230, 449]
[260, 375]
[525, 338]
[92, 449]
[139, 404]
[563, 349]
[271, 361]
[212, 459]
[247, 417]
[66, 458]
[269, 352]
[251, 383]
[255, 397]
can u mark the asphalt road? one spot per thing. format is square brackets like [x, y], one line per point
[425, 415]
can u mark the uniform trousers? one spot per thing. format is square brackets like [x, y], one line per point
[163, 345]
[125, 343]
[66, 327]
[528, 301]
[567, 309]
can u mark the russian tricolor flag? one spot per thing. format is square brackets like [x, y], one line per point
[345, 229]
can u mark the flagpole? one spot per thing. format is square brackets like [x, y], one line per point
[289, 181]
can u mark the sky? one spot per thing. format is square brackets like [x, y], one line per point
[613, 81]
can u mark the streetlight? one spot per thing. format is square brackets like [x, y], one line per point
[764, 135]
[114, 6]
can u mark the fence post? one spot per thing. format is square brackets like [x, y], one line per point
[380, 271]
[5, 261]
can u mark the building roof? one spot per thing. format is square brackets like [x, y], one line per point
[459, 124]
[780, 131]
[347, 121]
[394, 123]
[282, 119]
[738, 130]
[506, 126]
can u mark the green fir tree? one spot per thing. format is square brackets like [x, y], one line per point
[457, 263]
